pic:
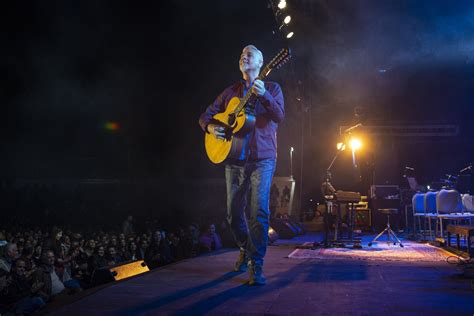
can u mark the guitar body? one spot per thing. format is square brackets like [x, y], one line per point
[237, 128]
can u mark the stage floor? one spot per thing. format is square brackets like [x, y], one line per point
[204, 285]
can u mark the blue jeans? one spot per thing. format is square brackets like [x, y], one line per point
[254, 177]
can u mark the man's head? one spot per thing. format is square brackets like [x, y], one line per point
[91, 244]
[48, 258]
[251, 59]
[19, 267]
[57, 233]
[157, 236]
[11, 251]
[111, 251]
[211, 229]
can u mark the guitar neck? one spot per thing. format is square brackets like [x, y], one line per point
[250, 97]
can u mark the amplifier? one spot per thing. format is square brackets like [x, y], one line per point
[384, 191]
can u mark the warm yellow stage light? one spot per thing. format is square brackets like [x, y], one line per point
[341, 146]
[282, 4]
[287, 19]
[355, 144]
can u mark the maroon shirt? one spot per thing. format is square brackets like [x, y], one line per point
[269, 111]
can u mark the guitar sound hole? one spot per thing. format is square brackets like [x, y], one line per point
[231, 119]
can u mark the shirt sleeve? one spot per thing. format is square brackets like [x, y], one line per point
[273, 102]
[217, 106]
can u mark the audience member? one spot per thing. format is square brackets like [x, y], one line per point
[11, 253]
[98, 260]
[46, 275]
[127, 226]
[113, 258]
[53, 243]
[22, 297]
[158, 252]
[209, 239]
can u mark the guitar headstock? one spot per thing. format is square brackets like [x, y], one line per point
[279, 60]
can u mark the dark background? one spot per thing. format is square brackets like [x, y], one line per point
[68, 67]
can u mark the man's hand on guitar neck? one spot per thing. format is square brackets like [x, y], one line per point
[258, 87]
[217, 131]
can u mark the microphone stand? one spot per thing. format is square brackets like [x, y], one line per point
[328, 192]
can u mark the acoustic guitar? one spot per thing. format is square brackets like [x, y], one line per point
[238, 122]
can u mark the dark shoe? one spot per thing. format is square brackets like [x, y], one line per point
[241, 264]
[256, 276]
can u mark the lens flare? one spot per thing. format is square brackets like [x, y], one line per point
[355, 143]
[112, 126]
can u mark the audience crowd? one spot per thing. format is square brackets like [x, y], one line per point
[39, 265]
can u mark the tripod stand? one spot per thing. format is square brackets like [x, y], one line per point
[391, 236]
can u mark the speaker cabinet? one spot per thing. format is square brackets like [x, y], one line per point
[287, 228]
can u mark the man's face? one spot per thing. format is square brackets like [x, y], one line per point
[101, 251]
[157, 236]
[13, 252]
[250, 60]
[50, 258]
[20, 268]
[212, 229]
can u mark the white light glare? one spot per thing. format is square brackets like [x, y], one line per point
[355, 144]
[341, 146]
[290, 35]
[282, 4]
[287, 19]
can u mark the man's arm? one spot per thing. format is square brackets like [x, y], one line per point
[206, 120]
[217, 106]
[272, 101]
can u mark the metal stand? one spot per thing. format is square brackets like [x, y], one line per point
[390, 234]
[329, 194]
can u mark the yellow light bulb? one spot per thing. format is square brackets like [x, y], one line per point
[355, 144]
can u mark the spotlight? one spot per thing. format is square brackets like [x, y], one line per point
[282, 4]
[355, 144]
[286, 31]
[287, 20]
[341, 146]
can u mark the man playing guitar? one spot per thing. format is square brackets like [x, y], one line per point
[250, 175]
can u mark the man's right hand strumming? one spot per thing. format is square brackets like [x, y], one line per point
[217, 131]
